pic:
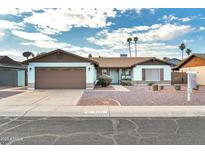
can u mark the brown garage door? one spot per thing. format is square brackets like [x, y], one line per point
[60, 78]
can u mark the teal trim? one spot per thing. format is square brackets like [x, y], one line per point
[21, 78]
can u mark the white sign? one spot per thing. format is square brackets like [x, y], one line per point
[191, 83]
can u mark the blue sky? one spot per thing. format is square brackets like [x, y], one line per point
[101, 32]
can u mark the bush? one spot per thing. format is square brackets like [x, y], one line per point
[177, 87]
[197, 87]
[150, 84]
[155, 87]
[104, 80]
[126, 83]
[161, 87]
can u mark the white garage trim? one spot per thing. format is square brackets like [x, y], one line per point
[90, 71]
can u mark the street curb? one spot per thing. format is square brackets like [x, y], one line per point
[111, 111]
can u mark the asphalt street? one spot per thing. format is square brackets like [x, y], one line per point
[101, 131]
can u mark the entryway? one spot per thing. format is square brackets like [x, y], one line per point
[114, 73]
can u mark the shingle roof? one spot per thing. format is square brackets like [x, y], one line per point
[122, 62]
[5, 61]
[56, 51]
[1, 57]
[173, 61]
[200, 55]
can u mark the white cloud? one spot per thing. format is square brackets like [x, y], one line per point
[201, 28]
[83, 51]
[5, 24]
[174, 18]
[14, 11]
[12, 53]
[166, 32]
[186, 19]
[52, 21]
[1, 34]
[188, 41]
[117, 39]
[152, 11]
[150, 38]
[137, 10]
[32, 36]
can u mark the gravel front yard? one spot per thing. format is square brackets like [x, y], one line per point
[142, 95]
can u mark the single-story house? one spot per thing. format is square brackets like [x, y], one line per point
[195, 62]
[141, 70]
[12, 73]
[59, 69]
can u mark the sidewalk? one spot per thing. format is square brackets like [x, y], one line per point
[104, 111]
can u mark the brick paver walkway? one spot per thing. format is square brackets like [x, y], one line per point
[142, 95]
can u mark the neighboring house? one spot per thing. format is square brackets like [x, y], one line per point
[59, 69]
[195, 62]
[173, 61]
[141, 70]
[12, 73]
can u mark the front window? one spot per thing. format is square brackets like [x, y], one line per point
[126, 74]
[152, 74]
[126, 71]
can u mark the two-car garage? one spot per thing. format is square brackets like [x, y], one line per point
[60, 78]
[59, 69]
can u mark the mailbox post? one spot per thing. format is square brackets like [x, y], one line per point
[191, 83]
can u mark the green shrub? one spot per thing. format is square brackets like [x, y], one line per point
[161, 87]
[150, 84]
[197, 87]
[126, 83]
[177, 87]
[155, 87]
[104, 80]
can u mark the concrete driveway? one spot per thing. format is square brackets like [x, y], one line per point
[39, 100]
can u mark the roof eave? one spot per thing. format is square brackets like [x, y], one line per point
[43, 55]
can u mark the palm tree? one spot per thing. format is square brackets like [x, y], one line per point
[182, 47]
[135, 40]
[188, 51]
[129, 41]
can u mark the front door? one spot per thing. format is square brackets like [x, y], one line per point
[115, 76]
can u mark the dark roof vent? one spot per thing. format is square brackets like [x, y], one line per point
[123, 55]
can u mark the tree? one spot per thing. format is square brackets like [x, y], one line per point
[90, 55]
[135, 40]
[188, 51]
[28, 54]
[182, 47]
[129, 41]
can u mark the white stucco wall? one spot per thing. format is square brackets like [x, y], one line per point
[137, 71]
[90, 74]
[200, 76]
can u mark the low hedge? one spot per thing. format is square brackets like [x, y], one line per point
[126, 83]
[104, 80]
[177, 87]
